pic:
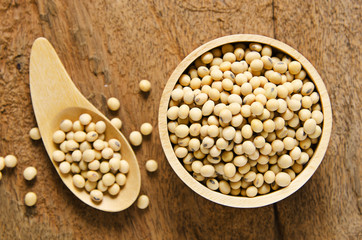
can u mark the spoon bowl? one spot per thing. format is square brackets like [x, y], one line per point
[55, 98]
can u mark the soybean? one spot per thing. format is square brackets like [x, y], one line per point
[244, 121]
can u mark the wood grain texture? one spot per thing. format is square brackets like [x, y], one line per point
[332, 42]
[107, 47]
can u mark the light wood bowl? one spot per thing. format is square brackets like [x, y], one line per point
[239, 201]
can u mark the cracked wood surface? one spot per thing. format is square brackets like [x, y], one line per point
[107, 47]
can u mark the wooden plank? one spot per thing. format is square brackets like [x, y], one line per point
[107, 47]
[329, 35]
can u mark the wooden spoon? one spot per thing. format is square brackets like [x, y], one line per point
[55, 98]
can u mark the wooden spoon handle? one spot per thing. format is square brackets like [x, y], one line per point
[50, 85]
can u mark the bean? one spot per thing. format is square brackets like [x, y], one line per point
[113, 104]
[207, 170]
[282, 179]
[224, 187]
[251, 191]
[30, 199]
[309, 126]
[29, 173]
[294, 67]
[259, 180]
[143, 202]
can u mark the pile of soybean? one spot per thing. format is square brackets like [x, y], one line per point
[95, 162]
[244, 119]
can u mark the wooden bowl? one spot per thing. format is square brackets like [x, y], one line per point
[239, 201]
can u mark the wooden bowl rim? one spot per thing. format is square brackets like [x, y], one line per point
[239, 201]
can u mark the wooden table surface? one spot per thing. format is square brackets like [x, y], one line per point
[107, 47]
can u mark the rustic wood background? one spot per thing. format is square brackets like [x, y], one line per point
[107, 46]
